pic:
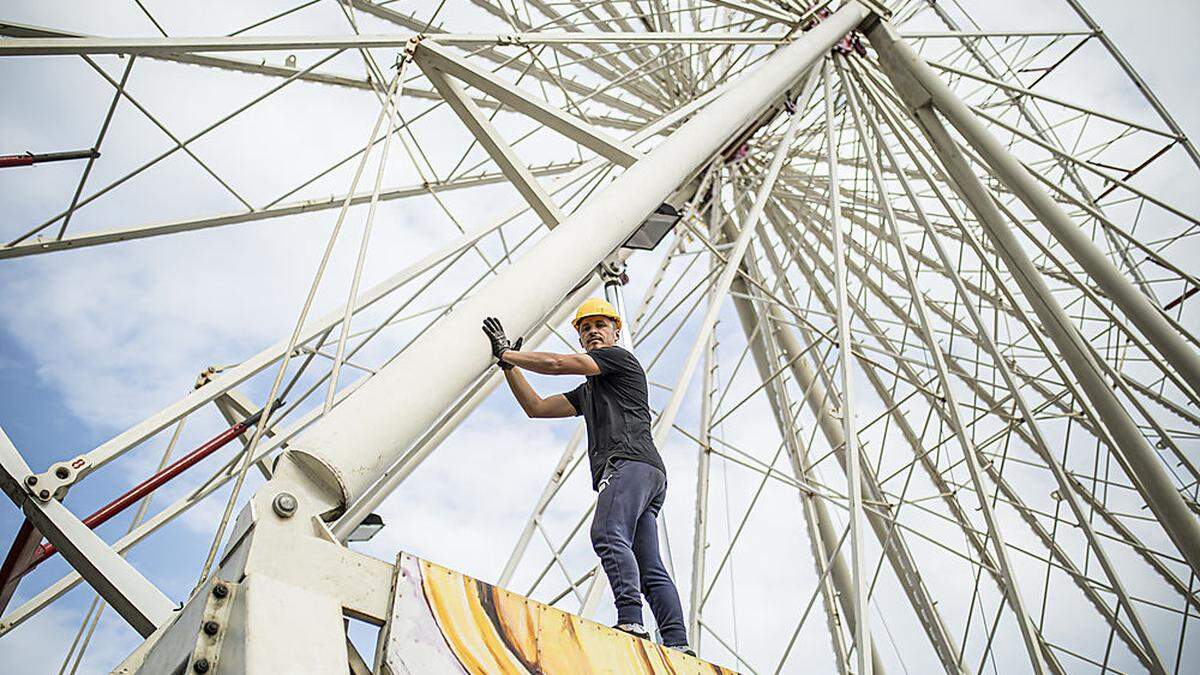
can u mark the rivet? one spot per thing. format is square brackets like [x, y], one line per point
[200, 666]
[211, 627]
[62, 472]
[31, 480]
[220, 591]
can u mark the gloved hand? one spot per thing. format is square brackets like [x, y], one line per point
[516, 347]
[500, 344]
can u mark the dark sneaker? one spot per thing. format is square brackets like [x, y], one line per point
[682, 648]
[634, 629]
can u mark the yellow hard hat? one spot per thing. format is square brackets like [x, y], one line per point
[595, 307]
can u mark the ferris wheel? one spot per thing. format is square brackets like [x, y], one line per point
[911, 282]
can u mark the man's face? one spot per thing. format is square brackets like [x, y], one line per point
[596, 332]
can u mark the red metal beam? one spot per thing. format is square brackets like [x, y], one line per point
[29, 158]
[23, 549]
[116, 506]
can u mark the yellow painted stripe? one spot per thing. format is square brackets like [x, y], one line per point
[551, 641]
[466, 627]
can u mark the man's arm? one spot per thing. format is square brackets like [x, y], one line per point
[534, 405]
[549, 363]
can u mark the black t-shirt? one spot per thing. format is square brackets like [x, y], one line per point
[616, 407]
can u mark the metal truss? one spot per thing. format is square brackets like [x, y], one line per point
[924, 337]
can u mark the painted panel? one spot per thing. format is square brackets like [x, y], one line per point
[446, 622]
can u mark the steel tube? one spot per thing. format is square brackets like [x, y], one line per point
[823, 534]
[1037, 439]
[1141, 311]
[862, 629]
[1154, 482]
[30, 158]
[351, 445]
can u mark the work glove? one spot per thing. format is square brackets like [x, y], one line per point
[516, 347]
[500, 344]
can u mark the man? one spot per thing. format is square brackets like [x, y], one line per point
[627, 471]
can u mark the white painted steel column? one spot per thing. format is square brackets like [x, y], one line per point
[704, 453]
[346, 450]
[862, 628]
[397, 474]
[1141, 311]
[720, 288]
[1150, 476]
[1029, 632]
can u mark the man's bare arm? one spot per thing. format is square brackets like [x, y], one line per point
[534, 405]
[549, 363]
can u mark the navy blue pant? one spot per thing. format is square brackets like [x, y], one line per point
[625, 536]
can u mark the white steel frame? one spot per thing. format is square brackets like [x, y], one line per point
[862, 241]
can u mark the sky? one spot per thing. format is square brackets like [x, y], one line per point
[92, 341]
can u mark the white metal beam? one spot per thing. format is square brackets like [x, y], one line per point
[902, 65]
[86, 239]
[183, 45]
[497, 148]
[853, 463]
[1140, 310]
[432, 55]
[351, 445]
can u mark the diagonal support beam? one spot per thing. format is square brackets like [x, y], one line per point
[430, 54]
[137, 600]
[499, 149]
[101, 237]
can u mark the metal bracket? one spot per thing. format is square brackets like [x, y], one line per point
[410, 47]
[612, 271]
[54, 482]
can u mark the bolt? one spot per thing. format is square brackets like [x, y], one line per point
[200, 666]
[220, 591]
[211, 627]
[31, 480]
[44, 494]
[62, 472]
[284, 505]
